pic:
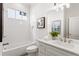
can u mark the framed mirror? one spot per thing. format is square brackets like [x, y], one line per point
[72, 29]
[56, 26]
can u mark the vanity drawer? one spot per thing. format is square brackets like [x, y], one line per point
[41, 54]
[52, 53]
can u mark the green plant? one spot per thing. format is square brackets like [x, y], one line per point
[54, 34]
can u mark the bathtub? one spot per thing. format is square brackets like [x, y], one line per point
[0, 48]
[17, 51]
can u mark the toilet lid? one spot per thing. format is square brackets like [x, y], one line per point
[31, 48]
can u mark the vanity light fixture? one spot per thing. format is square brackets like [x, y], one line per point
[60, 6]
[67, 5]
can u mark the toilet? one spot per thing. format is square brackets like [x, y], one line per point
[32, 50]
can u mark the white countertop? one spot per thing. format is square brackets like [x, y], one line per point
[72, 47]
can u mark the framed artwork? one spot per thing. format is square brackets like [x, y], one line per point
[56, 26]
[41, 23]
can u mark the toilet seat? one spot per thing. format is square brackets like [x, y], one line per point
[31, 49]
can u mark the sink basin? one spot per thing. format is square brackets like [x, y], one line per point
[64, 44]
[76, 43]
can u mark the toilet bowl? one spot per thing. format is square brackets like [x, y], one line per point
[32, 50]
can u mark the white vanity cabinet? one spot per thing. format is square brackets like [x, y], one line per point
[49, 50]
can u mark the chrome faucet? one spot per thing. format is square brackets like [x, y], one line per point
[65, 40]
[69, 41]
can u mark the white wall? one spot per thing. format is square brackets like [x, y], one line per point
[37, 11]
[40, 10]
[44, 10]
[16, 34]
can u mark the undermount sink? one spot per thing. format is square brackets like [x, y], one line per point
[76, 43]
[65, 44]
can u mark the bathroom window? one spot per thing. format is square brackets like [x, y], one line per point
[18, 16]
[23, 14]
[24, 17]
[11, 13]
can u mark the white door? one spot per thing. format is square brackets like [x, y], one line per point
[74, 27]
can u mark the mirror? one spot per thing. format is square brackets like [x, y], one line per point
[73, 29]
[56, 26]
[72, 21]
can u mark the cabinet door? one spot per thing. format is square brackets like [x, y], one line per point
[41, 54]
[52, 51]
[42, 49]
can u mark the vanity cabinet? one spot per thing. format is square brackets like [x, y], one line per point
[48, 50]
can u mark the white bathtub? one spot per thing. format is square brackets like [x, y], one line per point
[0, 48]
[17, 51]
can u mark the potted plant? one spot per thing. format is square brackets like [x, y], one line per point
[54, 35]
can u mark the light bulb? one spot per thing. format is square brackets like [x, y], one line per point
[67, 5]
[62, 8]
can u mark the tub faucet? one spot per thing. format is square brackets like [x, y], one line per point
[5, 44]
